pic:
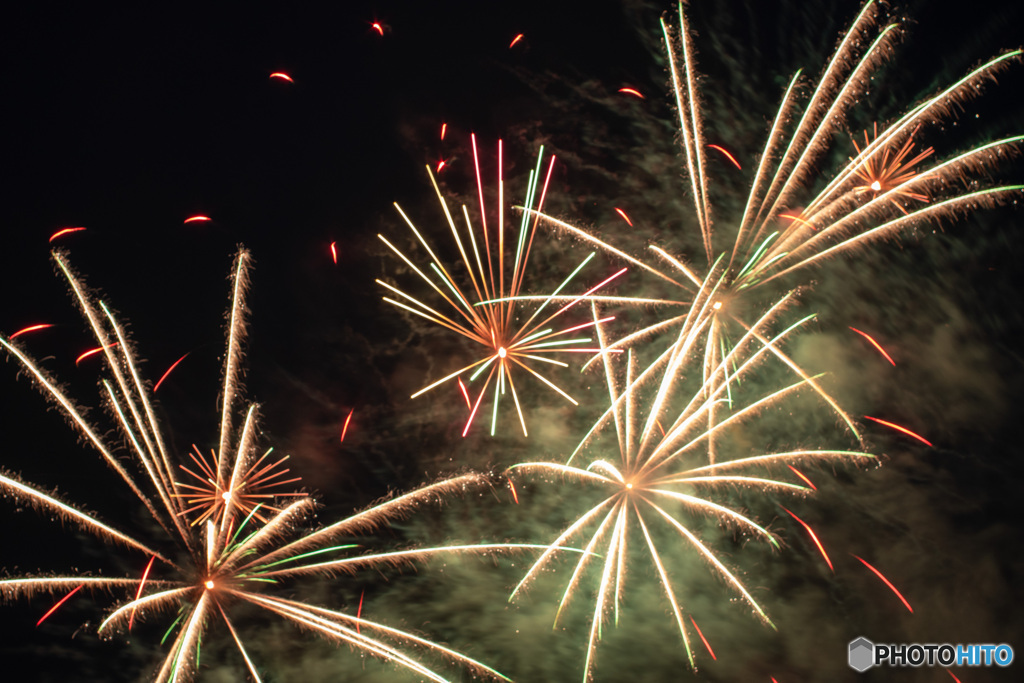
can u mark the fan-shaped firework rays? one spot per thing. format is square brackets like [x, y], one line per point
[661, 476]
[493, 320]
[773, 239]
[226, 557]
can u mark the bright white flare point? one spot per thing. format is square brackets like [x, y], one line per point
[226, 496]
[502, 352]
[209, 585]
[876, 186]
[717, 305]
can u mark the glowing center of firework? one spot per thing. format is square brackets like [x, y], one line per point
[717, 305]
[502, 352]
[629, 485]
[876, 186]
[209, 584]
[226, 496]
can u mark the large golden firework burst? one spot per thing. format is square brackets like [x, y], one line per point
[240, 546]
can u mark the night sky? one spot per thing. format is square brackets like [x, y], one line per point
[128, 122]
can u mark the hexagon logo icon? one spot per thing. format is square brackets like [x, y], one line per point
[862, 654]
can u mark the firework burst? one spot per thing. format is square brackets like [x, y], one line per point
[494, 319]
[878, 193]
[660, 484]
[241, 540]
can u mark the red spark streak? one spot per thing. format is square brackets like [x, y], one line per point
[377, 27]
[359, 612]
[55, 607]
[164, 376]
[801, 475]
[887, 583]
[472, 414]
[93, 352]
[624, 216]
[515, 497]
[138, 594]
[440, 165]
[875, 344]
[197, 219]
[728, 156]
[814, 537]
[465, 394]
[344, 427]
[515, 40]
[954, 677]
[595, 324]
[30, 328]
[704, 639]
[900, 429]
[64, 231]
[283, 76]
[632, 91]
[797, 219]
[444, 129]
[589, 292]
[773, 680]
[334, 253]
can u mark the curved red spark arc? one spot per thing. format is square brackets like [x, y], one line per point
[93, 352]
[344, 427]
[65, 231]
[515, 40]
[198, 219]
[875, 344]
[164, 376]
[30, 328]
[953, 675]
[728, 156]
[624, 216]
[138, 594]
[465, 394]
[282, 76]
[57, 606]
[900, 429]
[814, 537]
[334, 252]
[887, 583]
[632, 91]
[441, 164]
[377, 27]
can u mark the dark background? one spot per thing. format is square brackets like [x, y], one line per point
[128, 121]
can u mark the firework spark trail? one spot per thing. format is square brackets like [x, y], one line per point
[29, 329]
[488, 311]
[232, 540]
[160, 381]
[659, 480]
[874, 343]
[887, 582]
[64, 231]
